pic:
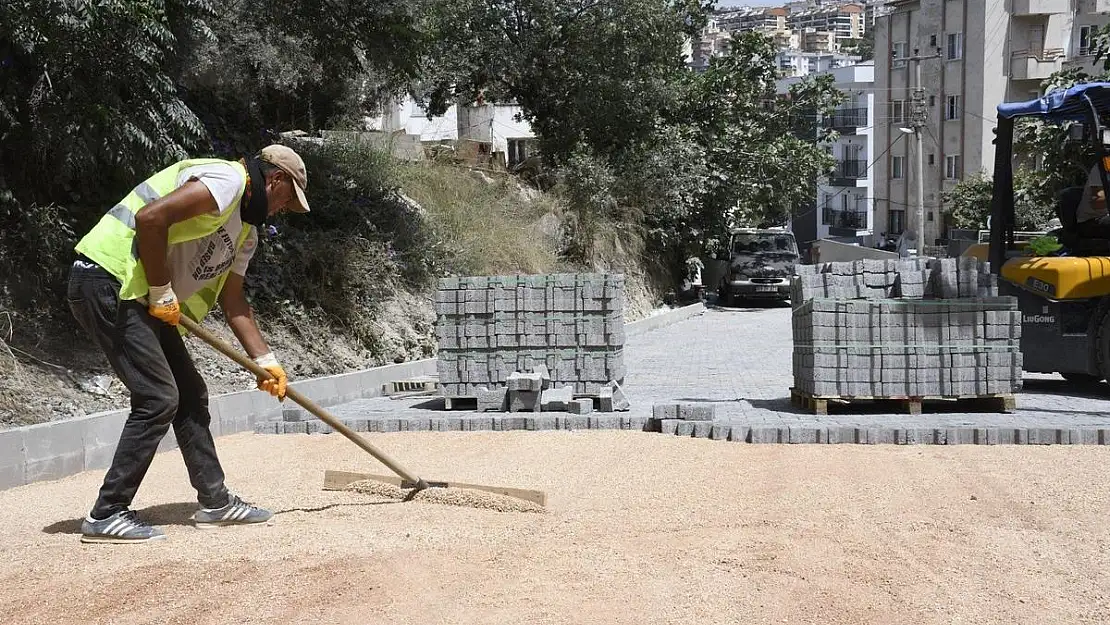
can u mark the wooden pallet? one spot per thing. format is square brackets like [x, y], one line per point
[411, 387]
[909, 405]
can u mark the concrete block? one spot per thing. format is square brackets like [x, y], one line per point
[664, 411]
[1084, 436]
[767, 435]
[697, 412]
[605, 422]
[1048, 436]
[557, 399]
[262, 427]
[575, 422]
[510, 424]
[477, 424]
[520, 401]
[294, 413]
[518, 381]
[669, 426]
[740, 434]
[492, 399]
[959, 436]
[541, 423]
[581, 406]
[720, 432]
[702, 429]
[545, 376]
[841, 434]
[12, 459]
[806, 435]
[605, 398]
[293, 427]
[685, 428]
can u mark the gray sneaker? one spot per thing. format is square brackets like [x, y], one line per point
[120, 528]
[236, 512]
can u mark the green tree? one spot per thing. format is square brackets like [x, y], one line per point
[86, 100]
[969, 202]
[764, 151]
[595, 75]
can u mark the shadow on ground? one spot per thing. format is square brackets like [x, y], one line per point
[161, 514]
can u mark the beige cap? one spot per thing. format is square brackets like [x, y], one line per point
[289, 162]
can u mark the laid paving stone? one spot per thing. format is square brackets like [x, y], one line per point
[605, 422]
[541, 423]
[669, 426]
[697, 412]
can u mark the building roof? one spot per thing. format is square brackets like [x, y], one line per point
[1064, 105]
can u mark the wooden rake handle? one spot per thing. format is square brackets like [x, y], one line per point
[309, 405]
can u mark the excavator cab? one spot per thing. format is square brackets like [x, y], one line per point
[1064, 298]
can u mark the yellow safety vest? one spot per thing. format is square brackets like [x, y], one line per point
[113, 243]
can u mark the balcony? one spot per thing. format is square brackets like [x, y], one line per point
[1040, 7]
[847, 119]
[1036, 64]
[847, 173]
[1094, 6]
[845, 219]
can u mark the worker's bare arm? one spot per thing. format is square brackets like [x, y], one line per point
[153, 221]
[240, 317]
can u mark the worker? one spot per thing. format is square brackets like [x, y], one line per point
[1092, 220]
[176, 245]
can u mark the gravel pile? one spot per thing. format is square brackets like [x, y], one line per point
[448, 496]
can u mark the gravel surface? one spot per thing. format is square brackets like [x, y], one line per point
[639, 528]
[446, 497]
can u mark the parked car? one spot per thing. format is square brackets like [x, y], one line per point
[761, 264]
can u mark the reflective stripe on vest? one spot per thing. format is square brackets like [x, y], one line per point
[113, 242]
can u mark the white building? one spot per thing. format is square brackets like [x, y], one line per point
[991, 51]
[844, 204]
[495, 124]
[796, 63]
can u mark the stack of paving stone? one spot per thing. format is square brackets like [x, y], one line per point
[904, 328]
[917, 278]
[490, 328]
[907, 348]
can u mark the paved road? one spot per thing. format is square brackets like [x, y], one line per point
[739, 359]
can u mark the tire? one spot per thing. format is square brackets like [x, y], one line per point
[1100, 336]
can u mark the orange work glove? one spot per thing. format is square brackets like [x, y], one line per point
[163, 304]
[277, 384]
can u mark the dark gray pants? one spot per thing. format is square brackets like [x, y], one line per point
[166, 389]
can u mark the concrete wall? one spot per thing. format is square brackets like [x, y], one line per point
[49, 451]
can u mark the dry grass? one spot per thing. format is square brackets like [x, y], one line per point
[488, 225]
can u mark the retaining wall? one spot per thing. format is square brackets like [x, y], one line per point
[49, 451]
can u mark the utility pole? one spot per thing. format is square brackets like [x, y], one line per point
[919, 114]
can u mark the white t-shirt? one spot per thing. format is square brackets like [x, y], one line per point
[1086, 211]
[193, 263]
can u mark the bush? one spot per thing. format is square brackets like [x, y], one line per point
[361, 241]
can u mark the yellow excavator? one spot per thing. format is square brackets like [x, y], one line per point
[1064, 298]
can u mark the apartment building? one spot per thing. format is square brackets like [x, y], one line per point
[770, 21]
[843, 205]
[846, 21]
[990, 51]
[797, 63]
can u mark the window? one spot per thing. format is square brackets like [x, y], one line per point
[930, 215]
[953, 167]
[1086, 40]
[932, 159]
[897, 167]
[895, 221]
[899, 51]
[932, 41]
[897, 111]
[932, 100]
[955, 46]
[952, 108]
